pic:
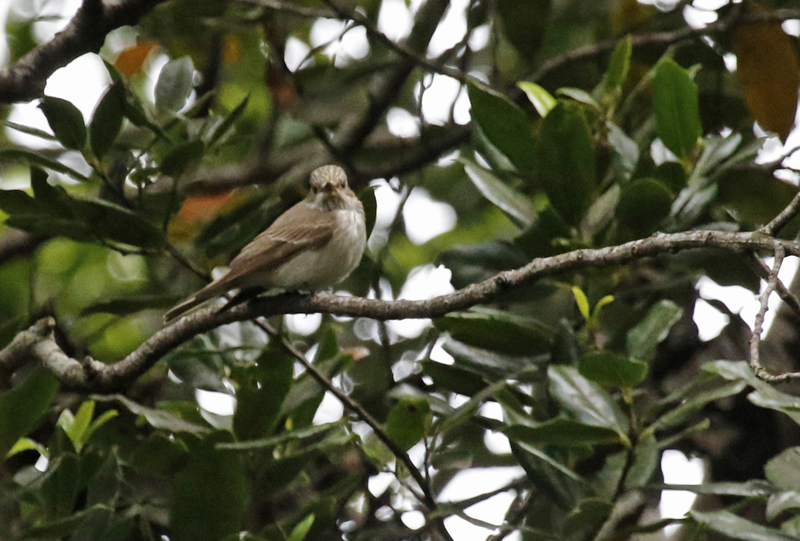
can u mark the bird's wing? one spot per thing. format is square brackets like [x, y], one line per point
[300, 228]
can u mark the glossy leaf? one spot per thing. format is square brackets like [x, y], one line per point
[587, 402]
[524, 24]
[784, 469]
[677, 109]
[227, 123]
[181, 157]
[564, 432]
[643, 205]
[300, 531]
[497, 331]
[408, 421]
[31, 158]
[208, 501]
[540, 98]
[66, 121]
[566, 164]
[510, 201]
[107, 120]
[653, 329]
[157, 418]
[735, 527]
[174, 85]
[260, 400]
[618, 67]
[504, 124]
[613, 370]
[21, 408]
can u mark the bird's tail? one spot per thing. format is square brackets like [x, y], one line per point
[205, 294]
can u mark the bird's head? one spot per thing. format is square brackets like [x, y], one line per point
[329, 187]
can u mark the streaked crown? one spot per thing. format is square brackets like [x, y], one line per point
[331, 176]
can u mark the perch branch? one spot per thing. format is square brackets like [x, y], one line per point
[94, 376]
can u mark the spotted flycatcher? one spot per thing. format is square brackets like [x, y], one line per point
[313, 245]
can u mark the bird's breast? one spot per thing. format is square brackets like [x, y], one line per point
[324, 266]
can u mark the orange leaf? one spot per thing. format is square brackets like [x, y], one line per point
[769, 70]
[195, 212]
[131, 60]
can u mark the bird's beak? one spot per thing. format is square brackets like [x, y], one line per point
[329, 188]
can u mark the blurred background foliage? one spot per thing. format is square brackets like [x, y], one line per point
[568, 124]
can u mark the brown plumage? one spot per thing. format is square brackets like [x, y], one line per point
[313, 245]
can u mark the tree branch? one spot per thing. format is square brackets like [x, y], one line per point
[387, 86]
[86, 32]
[94, 376]
[589, 52]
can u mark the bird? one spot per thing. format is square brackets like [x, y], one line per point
[315, 244]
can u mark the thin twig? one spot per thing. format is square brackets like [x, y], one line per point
[758, 327]
[780, 288]
[352, 405]
[783, 218]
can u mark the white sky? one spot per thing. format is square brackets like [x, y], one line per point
[424, 218]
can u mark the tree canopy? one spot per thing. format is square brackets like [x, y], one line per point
[615, 155]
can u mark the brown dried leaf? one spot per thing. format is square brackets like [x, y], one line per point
[769, 70]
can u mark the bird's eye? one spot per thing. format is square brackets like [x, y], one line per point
[314, 189]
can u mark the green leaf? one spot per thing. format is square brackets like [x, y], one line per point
[514, 204]
[107, 120]
[174, 85]
[118, 224]
[181, 157]
[581, 96]
[131, 305]
[226, 124]
[653, 329]
[613, 370]
[563, 485]
[30, 131]
[496, 330]
[626, 151]
[367, 198]
[31, 158]
[156, 418]
[272, 441]
[453, 378]
[784, 469]
[587, 402]
[504, 124]
[735, 527]
[566, 161]
[260, 400]
[22, 407]
[75, 427]
[14, 202]
[159, 455]
[753, 488]
[589, 514]
[582, 302]
[541, 99]
[643, 205]
[209, 495]
[617, 67]
[564, 432]
[60, 528]
[61, 485]
[301, 530]
[525, 24]
[677, 110]
[27, 444]
[66, 121]
[408, 421]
